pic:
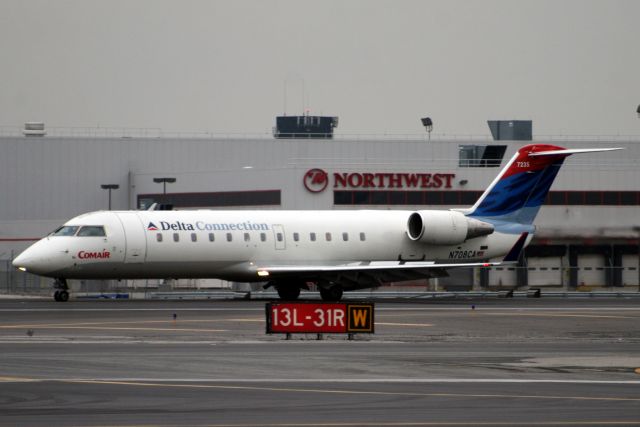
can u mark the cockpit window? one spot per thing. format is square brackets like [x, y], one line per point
[92, 231]
[66, 230]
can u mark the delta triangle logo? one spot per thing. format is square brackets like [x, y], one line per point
[152, 227]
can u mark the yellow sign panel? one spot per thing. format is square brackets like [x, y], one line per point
[360, 318]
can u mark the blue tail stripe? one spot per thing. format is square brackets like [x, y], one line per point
[512, 195]
[538, 196]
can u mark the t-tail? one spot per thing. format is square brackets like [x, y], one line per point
[516, 194]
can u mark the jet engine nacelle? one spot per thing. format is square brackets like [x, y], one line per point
[445, 227]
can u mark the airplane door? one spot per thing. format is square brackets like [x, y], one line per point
[135, 238]
[279, 237]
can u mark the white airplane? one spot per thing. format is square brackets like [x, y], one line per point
[336, 250]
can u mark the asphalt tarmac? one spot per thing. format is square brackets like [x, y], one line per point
[513, 362]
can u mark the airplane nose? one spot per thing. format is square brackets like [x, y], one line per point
[33, 260]
[23, 262]
[43, 258]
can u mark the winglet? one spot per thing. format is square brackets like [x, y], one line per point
[514, 253]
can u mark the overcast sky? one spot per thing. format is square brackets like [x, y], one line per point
[573, 67]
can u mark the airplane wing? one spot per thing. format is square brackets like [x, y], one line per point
[374, 273]
[366, 274]
[366, 266]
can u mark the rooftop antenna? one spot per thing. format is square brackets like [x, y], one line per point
[284, 99]
[303, 95]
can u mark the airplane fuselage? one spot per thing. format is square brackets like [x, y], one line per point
[233, 245]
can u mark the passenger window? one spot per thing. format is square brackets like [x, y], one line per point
[296, 237]
[247, 237]
[279, 237]
[263, 237]
[345, 237]
[327, 236]
[159, 237]
[66, 230]
[312, 237]
[92, 231]
[362, 237]
[176, 237]
[229, 237]
[194, 237]
[212, 237]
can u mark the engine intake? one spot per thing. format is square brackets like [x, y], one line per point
[445, 227]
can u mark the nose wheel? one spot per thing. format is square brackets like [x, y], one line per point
[61, 293]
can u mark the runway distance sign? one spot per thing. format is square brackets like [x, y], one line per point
[319, 318]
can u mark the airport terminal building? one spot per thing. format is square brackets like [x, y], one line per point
[588, 231]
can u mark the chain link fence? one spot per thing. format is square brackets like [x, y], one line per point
[13, 281]
[16, 282]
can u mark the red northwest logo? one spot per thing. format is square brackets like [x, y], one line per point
[316, 180]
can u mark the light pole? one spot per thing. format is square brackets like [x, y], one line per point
[636, 228]
[164, 181]
[428, 125]
[109, 187]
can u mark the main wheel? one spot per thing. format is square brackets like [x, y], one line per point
[332, 293]
[63, 296]
[288, 293]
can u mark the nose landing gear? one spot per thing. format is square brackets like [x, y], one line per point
[61, 293]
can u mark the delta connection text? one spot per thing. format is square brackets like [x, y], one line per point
[207, 226]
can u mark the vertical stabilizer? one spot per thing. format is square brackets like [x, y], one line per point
[517, 193]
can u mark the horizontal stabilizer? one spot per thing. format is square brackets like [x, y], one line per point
[572, 151]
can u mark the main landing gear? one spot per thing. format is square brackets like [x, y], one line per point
[288, 293]
[290, 290]
[332, 293]
[61, 293]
